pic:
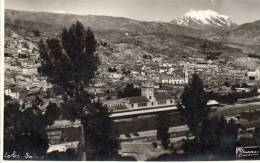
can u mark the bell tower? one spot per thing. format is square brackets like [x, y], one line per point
[148, 90]
[186, 74]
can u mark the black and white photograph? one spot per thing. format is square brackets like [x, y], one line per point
[130, 80]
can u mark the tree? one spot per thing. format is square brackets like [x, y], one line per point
[25, 131]
[129, 91]
[102, 142]
[36, 33]
[25, 45]
[256, 136]
[227, 84]
[208, 136]
[146, 56]
[70, 63]
[194, 100]
[52, 113]
[112, 69]
[68, 155]
[218, 138]
[163, 126]
[126, 72]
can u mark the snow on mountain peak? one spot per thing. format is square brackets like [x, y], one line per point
[204, 17]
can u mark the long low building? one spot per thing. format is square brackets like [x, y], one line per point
[148, 99]
[144, 111]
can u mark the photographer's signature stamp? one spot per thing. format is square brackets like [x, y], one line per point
[247, 152]
[27, 156]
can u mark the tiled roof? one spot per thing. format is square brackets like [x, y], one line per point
[162, 96]
[137, 99]
[121, 107]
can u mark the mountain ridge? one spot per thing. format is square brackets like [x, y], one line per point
[204, 19]
[96, 22]
[160, 38]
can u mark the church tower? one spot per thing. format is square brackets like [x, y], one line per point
[186, 74]
[148, 87]
[148, 90]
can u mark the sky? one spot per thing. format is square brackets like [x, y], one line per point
[240, 11]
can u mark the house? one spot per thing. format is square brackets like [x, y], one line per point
[12, 92]
[206, 65]
[253, 75]
[172, 80]
[176, 81]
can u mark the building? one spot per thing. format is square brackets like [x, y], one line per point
[12, 92]
[172, 80]
[176, 81]
[149, 99]
[253, 75]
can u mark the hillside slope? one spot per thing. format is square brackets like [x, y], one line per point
[128, 38]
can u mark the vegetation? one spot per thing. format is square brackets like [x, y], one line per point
[68, 155]
[231, 98]
[25, 45]
[163, 125]
[101, 143]
[256, 136]
[194, 100]
[25, 129]
[112, 69]
[227, 98]
[146, 56]
[207, 49]
[70, 63]
[217, 137]
[129, 91]
[36, 33]
[212, 136]
[254, 56]
[126, 72]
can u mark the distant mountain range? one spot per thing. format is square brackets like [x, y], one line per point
[182, 37]
[53, 22]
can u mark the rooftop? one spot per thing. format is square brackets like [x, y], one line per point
[162, 96]
[137, 99]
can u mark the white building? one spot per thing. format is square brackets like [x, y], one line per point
[176, 81]
[148, 99]
[12, 93]
[253, 75]
[172, 80]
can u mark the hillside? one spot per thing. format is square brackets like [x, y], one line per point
[127, 38]
[55, 22]
[245, 36]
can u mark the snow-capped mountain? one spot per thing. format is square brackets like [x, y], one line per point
[204, 18]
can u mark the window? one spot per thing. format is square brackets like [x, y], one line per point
[132, 105]
[161, 102]
[142, 104]
[152, 103]
[252, 78]
[171, 101]
[150, 97]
